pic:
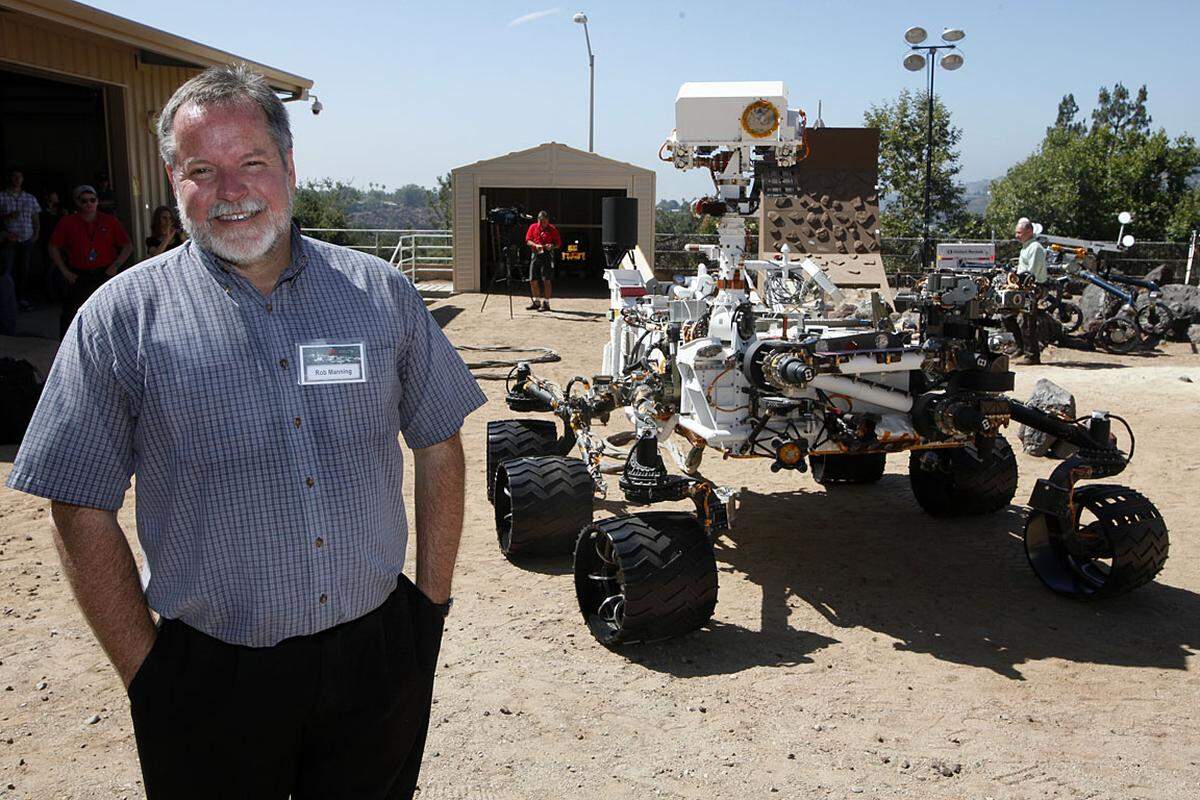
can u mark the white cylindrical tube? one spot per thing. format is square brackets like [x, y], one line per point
[893, 399]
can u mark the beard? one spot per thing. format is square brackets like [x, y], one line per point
[243, 246]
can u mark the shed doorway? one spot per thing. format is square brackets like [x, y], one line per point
[61, 134]
[577, 215]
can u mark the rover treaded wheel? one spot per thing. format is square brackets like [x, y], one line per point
[1119, 543]
[541, 504]
[851, 468]
[645, 577]
[515, 438]
[963, 481]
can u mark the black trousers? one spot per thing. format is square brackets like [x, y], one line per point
[85, 285]
[339, 714]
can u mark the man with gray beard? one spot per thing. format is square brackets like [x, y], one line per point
[256, 382]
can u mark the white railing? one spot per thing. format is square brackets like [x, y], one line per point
[413, 250]
[423, 251]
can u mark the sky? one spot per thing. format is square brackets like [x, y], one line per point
[411, 90]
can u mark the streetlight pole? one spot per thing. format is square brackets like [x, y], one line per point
[915, 36]
[582, 19]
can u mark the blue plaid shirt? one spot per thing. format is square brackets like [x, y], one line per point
[266, 508]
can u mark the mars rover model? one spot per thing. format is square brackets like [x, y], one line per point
[746, 360]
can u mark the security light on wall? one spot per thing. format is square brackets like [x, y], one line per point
[317, 105]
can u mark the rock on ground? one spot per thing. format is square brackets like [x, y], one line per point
[1047, 396]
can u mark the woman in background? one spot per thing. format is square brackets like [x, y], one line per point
[165, 232]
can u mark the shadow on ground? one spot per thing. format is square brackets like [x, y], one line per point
[958, 590]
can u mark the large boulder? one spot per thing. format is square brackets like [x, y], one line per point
[1184, 302]
[1091, 302]
[1193, 334]
[1163, 273]
[1048, 396]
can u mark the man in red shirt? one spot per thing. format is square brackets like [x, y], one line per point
[542, 238]
[88, 248]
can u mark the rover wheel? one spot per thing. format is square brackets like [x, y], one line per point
[1069, 315]
[1119, 543]
[541, 504]
[1118, 335]
[851, 468]
[515, 438]
[964, 481]
[1050, 330]
[1154, 318]
[645, 577]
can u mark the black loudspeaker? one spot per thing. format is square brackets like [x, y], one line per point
[618, 227]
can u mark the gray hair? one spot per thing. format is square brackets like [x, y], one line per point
[1024, 223]
[226, 85]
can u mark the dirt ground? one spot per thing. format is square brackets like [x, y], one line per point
[859, 647]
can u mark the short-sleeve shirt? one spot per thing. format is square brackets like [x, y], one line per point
[543, 234]
[1033, 259]
[90, 245]
[266, 508]
[20, 226]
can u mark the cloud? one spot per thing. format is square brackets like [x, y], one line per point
[532, 16]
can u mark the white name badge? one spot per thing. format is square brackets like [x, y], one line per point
[332, 363]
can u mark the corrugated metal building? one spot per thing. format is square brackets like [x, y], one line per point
[568, 183]
[79, 92]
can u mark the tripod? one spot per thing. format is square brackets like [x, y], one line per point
[508, 269]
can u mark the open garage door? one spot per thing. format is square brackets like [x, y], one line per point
[61, 134]
[576, 214]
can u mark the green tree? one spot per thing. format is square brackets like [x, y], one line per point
[324, 204]
[1077, 181]
[441, 200]
[902, 125]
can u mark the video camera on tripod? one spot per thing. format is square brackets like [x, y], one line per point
[508, 225]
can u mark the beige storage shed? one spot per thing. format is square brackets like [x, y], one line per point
[79, 92]
[568, 183]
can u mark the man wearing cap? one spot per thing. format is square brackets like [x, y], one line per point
[88, 247]
[257, 382]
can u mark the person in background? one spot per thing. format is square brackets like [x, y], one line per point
[88, 248]
[165, 233]
[542, 238]
[1032, 261]
[49, 279]
[106, 198]
[19, 212]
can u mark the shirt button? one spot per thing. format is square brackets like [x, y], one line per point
[283, 363]
[309, 482]
[320, 542]
[296, 422]
[323, 599]
[268, 308]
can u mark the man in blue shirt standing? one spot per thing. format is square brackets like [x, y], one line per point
[256, 382]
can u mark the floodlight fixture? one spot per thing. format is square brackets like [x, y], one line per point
[580, 17]
[915, 35]
[914, 62]
[951, 61]
[953, 34]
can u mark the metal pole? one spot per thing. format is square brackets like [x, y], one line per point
[1187, 277]
[591, 101]
[925, 243]
[591, 89]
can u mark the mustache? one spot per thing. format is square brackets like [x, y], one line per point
[221, 208]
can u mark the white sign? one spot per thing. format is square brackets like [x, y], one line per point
[332, 363]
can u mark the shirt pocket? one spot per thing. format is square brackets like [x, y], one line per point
[362, 415]
[225, 413]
